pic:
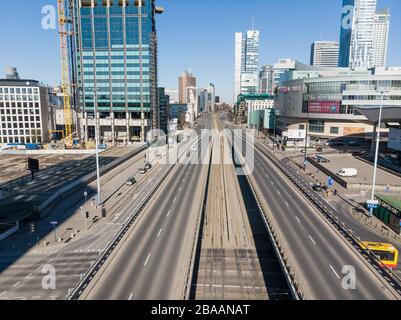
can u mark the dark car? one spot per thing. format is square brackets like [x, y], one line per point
[131, 181]
[317, 187]
[148, 166]
[358, 153]
[142, 170]
[319, 149]
[355, 143]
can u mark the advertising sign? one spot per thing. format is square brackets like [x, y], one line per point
[296, 134]
[324, 107]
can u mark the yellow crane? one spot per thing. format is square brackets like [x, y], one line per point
[65, 83]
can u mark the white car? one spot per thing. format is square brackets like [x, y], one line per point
[348, 172]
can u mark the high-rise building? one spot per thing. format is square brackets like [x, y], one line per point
[266, 80]
[193, 102]
[211, 98]
[324, 53]
[164, 110]
[359, 26]
[246, 62]
[203, 100]
[186, 80]
[380, 38]
[173, 94]
[115, 54]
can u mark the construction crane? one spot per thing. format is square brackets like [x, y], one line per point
[65, 84]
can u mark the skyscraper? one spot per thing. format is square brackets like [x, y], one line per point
[324, 53]
[211, 98]
[380, 38]
[266, 80]
[115, 54]
[164, 109]
[246, 62]
[203, 100]
[186, 80]
[357, 39]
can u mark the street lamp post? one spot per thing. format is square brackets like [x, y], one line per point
[377, 151]
[97, 138]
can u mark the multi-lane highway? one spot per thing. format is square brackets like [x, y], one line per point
[21, 270]
[318, 254]
[153, 260]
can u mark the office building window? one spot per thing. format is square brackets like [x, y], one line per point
[334, 130]
[316, 126]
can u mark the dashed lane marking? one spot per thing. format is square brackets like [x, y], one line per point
[147, 260]
[334, 271]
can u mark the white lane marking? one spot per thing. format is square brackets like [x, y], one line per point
[286, 203]
[311, 239]
[168, 213]
[36, 297]
[278, 192]
[147, 260]
[28, 276]
[272, 182]
[331, 267]
[298, 219]
[3, 293]
[175, 199]
[158, 235]
[180, 189]
[16, 284]
[130, 296]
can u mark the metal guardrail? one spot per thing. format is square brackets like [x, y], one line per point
[78, 290]
[332, 216]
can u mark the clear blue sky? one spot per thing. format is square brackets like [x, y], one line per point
[196, 35]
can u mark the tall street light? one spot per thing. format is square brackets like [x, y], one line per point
[382, 93]
[97, 142]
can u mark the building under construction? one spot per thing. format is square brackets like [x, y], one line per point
[111, 72]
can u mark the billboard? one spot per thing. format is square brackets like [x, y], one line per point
[324, 107]
[295, 134]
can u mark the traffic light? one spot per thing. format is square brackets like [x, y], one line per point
[32, 227]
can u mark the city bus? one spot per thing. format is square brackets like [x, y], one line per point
[387, 253]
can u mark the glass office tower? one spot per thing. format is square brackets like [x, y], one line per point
[357, 34]
[246, 63]
[115, 58]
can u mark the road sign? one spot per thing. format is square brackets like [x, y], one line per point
[330, 182]
[372, 204]
[54, 223]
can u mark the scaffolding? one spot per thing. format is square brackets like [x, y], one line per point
[66, 83]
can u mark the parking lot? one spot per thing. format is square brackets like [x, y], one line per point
[364, 178]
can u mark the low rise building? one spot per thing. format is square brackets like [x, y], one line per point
[24, 110]
[327, 103]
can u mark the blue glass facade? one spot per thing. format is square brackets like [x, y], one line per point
[345, 34]
[117, 61]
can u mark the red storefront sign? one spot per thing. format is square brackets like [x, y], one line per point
[324, 107]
